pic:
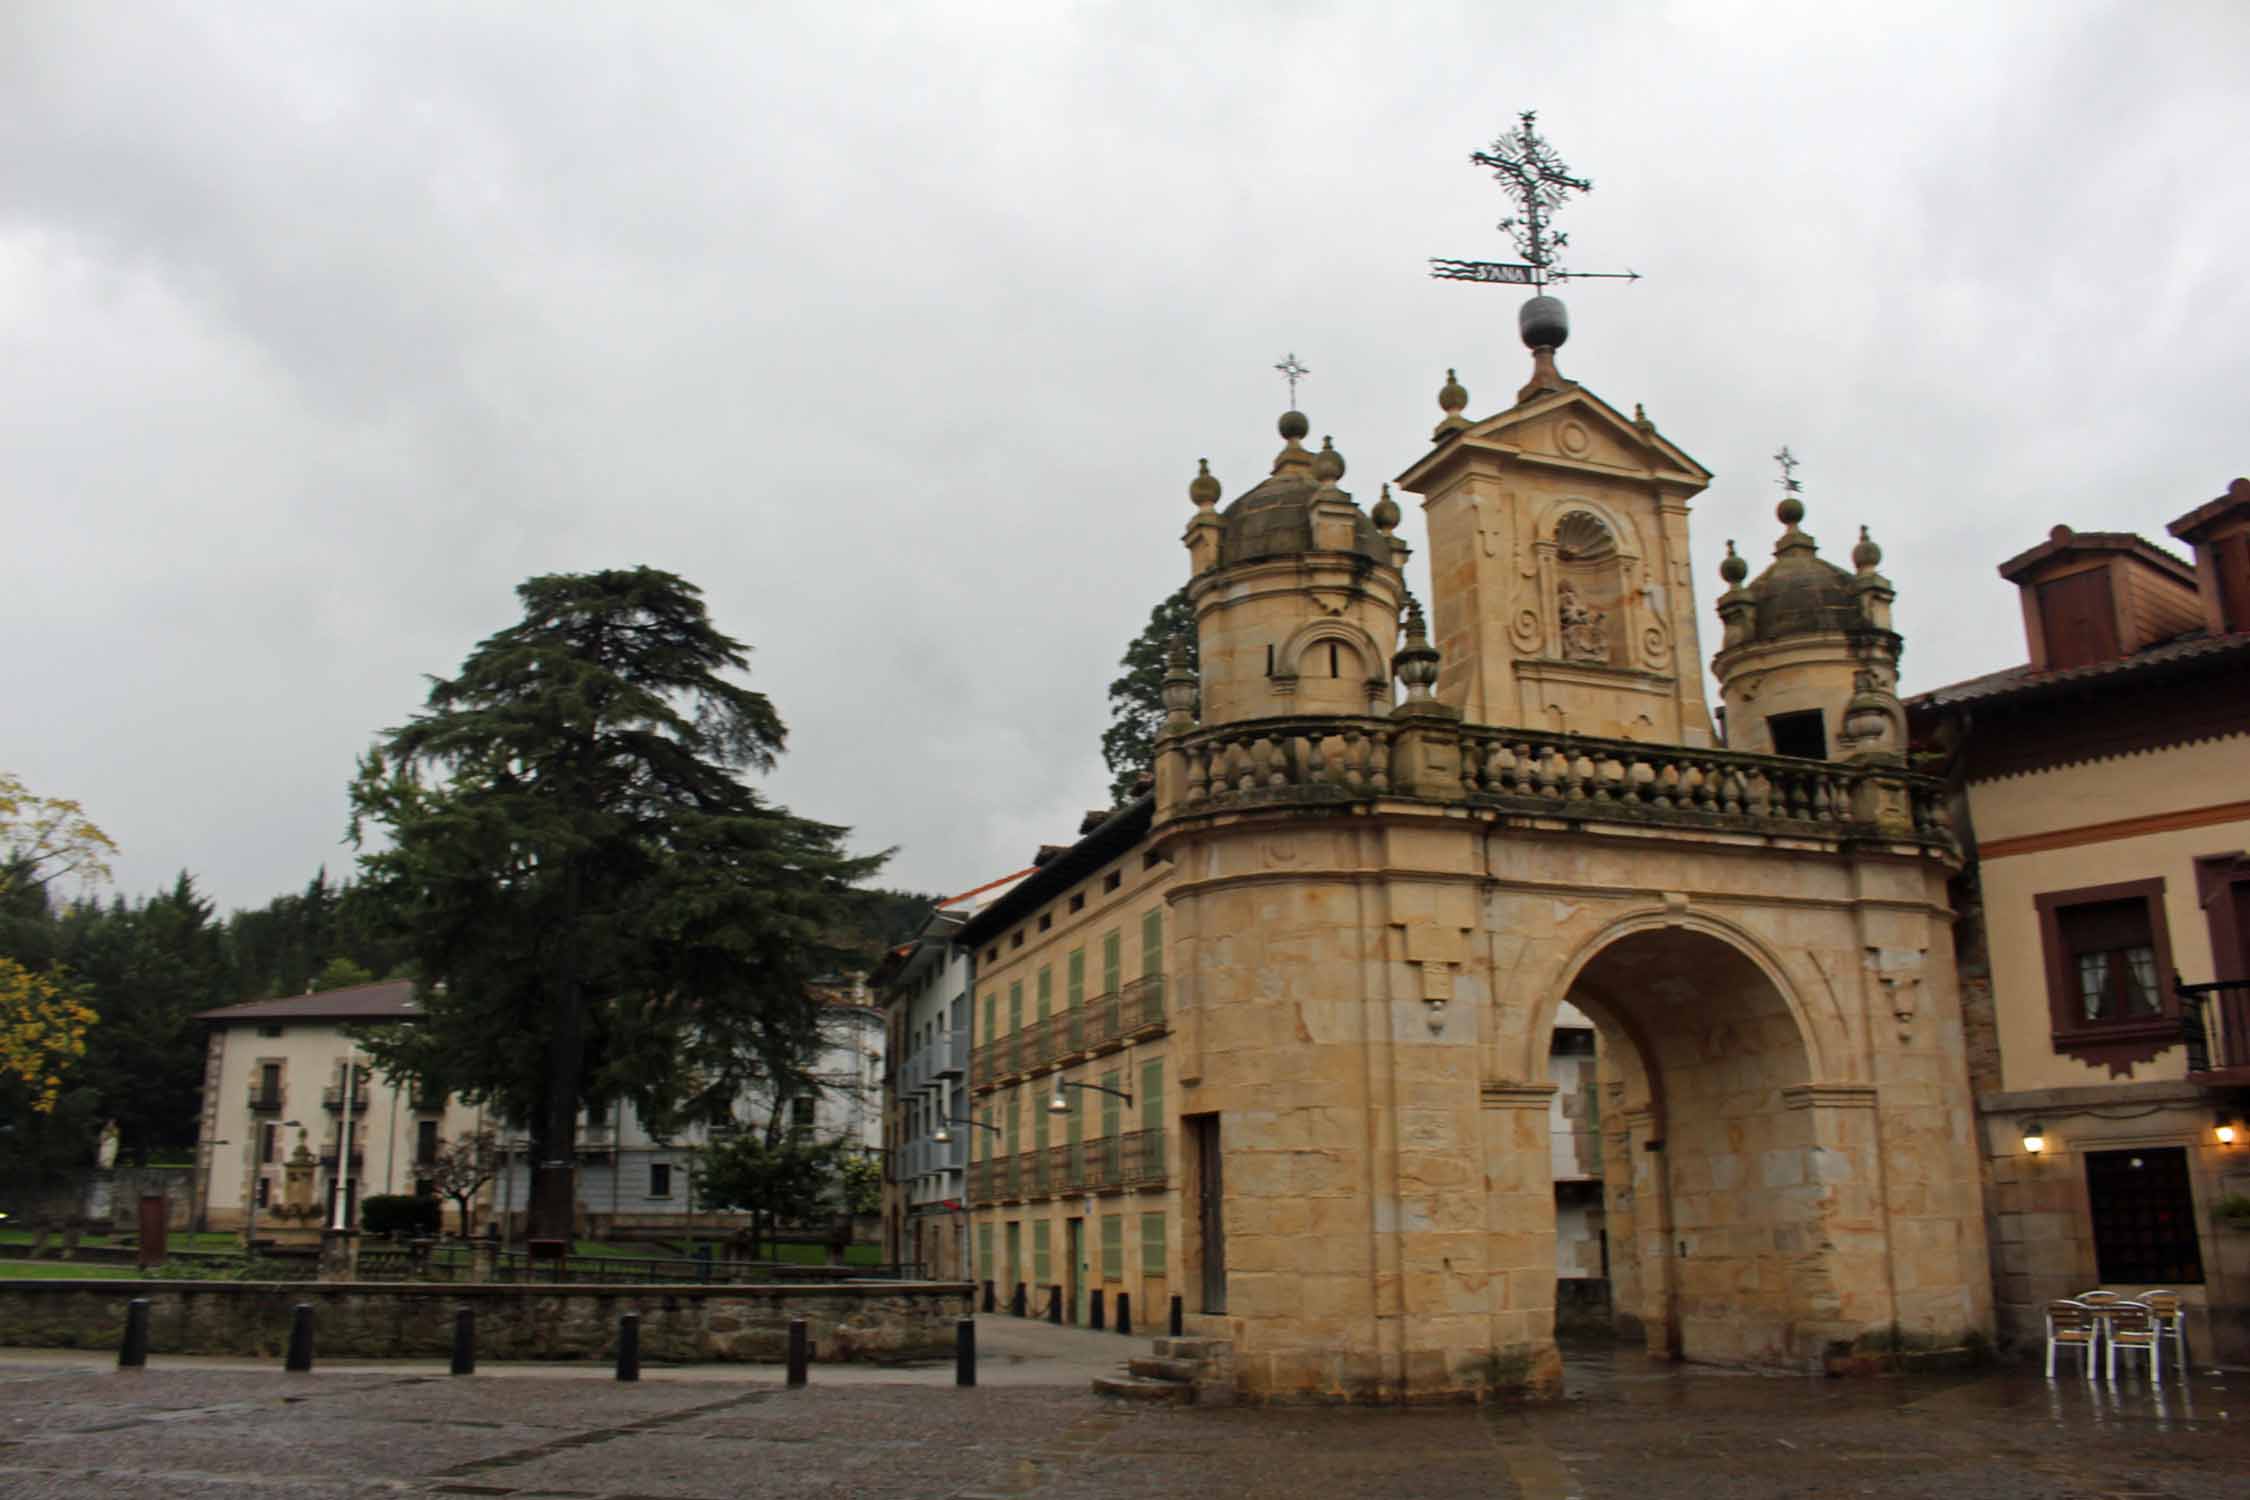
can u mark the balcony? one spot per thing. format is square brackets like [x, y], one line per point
[2215, 1026]
[1102, 1024]
[1113, 1163]
[264, 1100]
[332, 1098]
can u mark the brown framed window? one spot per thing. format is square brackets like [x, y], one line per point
[2078, 619]
[425, 1142]
[2109, 973]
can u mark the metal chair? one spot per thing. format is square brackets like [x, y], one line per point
[2171, 1323]
[2071, 1325]
[2132, 1328]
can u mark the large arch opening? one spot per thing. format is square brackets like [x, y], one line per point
[1709, 1220]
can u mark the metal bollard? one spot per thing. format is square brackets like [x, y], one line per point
[300, 1339]
[1016, 1303]
[1179, 1316]
[1054, 1305]
[464, 1341]
[1125, 1312]
[629, 1347]
[800, 1353]
[1094, 1310]
[133, 1353]
[965, 1352]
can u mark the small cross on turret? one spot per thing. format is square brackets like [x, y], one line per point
[1292, 372]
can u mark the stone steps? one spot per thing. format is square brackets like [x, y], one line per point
[1135, 1388]
[1158, 1367]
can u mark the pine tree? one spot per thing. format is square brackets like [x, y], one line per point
[598, 906]
[1136, 698]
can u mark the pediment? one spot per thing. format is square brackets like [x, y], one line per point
[1571, 428]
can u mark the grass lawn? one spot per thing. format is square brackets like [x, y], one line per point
[56, 1270]
[216, 1239]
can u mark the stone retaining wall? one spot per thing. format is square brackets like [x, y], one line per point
[683, 1324]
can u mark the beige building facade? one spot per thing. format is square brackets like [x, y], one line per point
[274, 1082]
[1374, 870]
[2105, 788]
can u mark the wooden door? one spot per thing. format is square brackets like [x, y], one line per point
[1210, 1208]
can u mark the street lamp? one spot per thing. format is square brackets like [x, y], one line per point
[1059, 1105]
[944, 1136]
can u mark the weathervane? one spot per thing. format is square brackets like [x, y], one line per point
[1528, 171]
[1788, 461]
[1292, 372]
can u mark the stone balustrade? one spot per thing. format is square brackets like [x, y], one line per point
[1302, 760]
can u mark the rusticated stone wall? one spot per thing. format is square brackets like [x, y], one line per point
[683, 1324]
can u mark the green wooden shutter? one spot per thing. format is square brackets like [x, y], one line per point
[1076, 1119]
[1077, 978]
[1046, 990]
[1112, 961]
[1039, 1119]
[1015, 1007]
[1111, 1105]
[984, 1251]
[1152, 1245]
[1011, 1122]
[1152, 943]
[1042, 1256]
[991, 1015]
[1152, 1095]
[1113, 1247]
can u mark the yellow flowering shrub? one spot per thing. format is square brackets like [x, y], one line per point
[42, 1032]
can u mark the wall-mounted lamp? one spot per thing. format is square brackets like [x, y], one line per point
[2228, 1127]
[2034, 1137]
[1060, 1105]
[943, 1136]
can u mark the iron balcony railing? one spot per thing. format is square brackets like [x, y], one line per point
[1135, 1158]
[264, 1099]
[2215, 1025]
[1105, 1022]
[332, 1097]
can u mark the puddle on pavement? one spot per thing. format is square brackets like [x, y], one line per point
[1598, 1373]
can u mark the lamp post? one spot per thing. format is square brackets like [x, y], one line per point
[1059, 1105]
[344, 1146]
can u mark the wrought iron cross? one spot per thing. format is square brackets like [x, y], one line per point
[1530, 172]
[1788, 462]
[1292, 372]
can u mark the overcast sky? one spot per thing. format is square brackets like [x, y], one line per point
[899, 329]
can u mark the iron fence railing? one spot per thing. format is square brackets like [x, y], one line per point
[1135, 1158]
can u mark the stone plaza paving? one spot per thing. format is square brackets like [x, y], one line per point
[71, 1425]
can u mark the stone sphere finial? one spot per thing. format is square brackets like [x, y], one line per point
[1543, 322]
[1790, 511]
[1733, 569]
[1293, 426]
[1452, 396]
[1328, 464]
[1866, 554]
[1203, 489]
[1385, 515]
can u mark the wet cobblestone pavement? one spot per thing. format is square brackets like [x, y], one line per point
[1627, 1431]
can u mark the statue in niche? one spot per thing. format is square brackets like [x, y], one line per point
[1584, 636]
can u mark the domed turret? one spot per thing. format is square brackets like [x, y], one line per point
[1807, 644]
[1296, 590]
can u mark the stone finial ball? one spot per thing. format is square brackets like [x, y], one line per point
[1328, 464]
[1733, 569]
[1544, 323]
[1293, 425]
[1790, 511]
[1386, 513]
[1452, 396]
[1866, 555]
[1203, 489]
